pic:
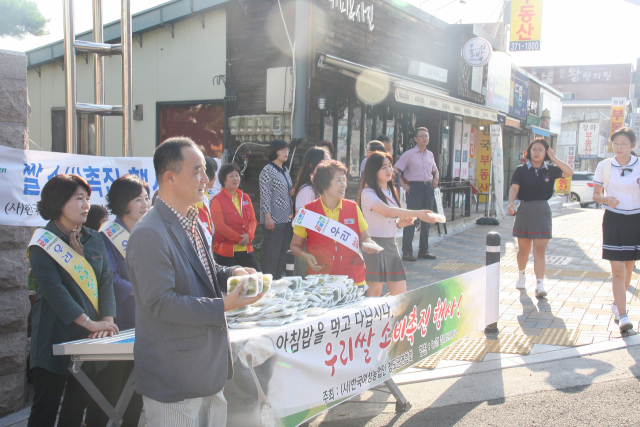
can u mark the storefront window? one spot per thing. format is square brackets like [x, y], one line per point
[203, 123]
[343, 128]
[444, 152]
[354, 158]
[328, 128]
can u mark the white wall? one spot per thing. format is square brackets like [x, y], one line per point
[165, 69]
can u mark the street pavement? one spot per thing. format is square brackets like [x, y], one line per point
[592, 383]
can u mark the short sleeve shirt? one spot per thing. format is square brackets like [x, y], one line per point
[535, 184]
[379, 225]
[625, 187]
[417, 165]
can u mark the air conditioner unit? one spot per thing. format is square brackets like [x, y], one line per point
[279, 90]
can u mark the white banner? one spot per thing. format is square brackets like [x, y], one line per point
[570, 156]
[588, 140]
[567, 137]
[23, 174]
[498, 167]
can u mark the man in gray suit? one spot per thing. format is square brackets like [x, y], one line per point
[182, 352]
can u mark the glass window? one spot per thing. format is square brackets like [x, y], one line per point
[354, 158]
[328, 128]
[203, 123]
[343, 127]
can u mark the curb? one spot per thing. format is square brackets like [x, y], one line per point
[470, 368]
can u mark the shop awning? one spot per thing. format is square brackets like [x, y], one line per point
[539, 131]
[413, 92]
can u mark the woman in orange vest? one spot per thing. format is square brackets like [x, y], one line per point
[234, 221]
[325, 255]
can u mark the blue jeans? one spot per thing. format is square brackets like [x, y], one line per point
[420, 196]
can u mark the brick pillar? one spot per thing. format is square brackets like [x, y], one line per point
[14, 298]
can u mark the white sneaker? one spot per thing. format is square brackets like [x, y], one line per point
[616, 313]
[521, 283]
[540, 292]
[625, 324]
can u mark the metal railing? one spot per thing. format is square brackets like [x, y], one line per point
[456, 196]
[99, 49]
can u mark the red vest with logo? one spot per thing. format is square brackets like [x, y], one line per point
[337, 258]
[239, 223]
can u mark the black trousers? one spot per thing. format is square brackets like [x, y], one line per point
[274, 249]
[239, 258]
[48, 388]
[111, 381]
[420, 196]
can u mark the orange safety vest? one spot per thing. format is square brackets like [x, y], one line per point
[337, 258]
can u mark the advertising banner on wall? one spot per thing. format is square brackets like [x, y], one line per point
[617, 116]
[526, 24]
[483, 164]
[25, 172]
[473, 149]
[457, 149]
[466, 145]
[519, 97]
[588, 140]
[567, 137]
[497, 158]
[570, 155]
[499, 82]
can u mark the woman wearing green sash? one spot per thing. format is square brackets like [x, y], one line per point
[128, 200]
[74, 298]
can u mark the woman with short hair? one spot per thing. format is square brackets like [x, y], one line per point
[128, 199]
[380, 206]
[276, 208]
[327, 255]
[620, 178]
[97, 216]
[533, 183]
[303, 190]
[74, 298]
[234, 221]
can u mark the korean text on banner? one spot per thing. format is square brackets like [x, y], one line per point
[617, 116]
[309, 366]
[526, 23]
[570, 155]
[498, 167]
[563, 185]
[25, 172]
[483, 170]
[588, 138]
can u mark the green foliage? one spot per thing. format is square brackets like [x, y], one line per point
[20, 17]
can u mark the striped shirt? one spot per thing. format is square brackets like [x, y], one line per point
[190, 225]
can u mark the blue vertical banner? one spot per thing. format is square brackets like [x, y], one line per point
[519, 94]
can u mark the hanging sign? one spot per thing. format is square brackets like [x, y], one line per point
[526, 20]
[588, 140]
[477, 52]
[355, 11]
